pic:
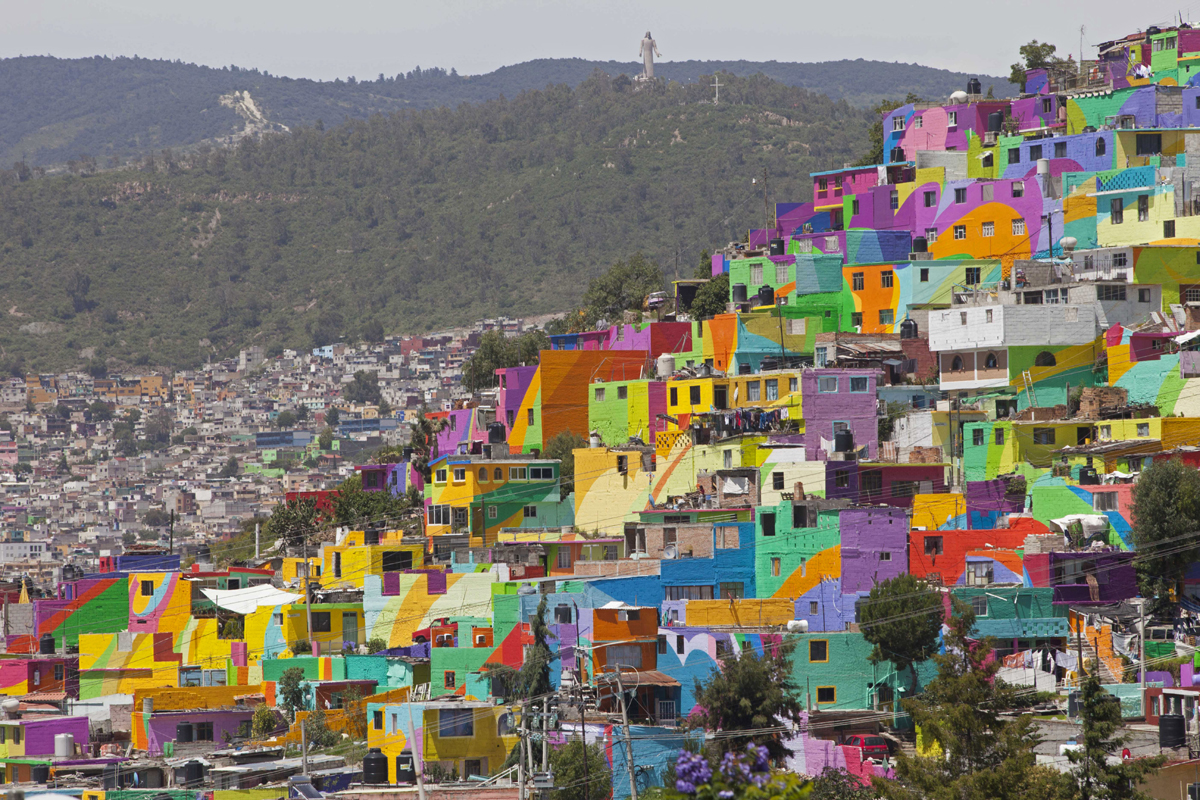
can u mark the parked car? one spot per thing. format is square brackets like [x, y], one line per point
[426, 634]
[871, 746]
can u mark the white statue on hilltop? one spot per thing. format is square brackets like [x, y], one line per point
[648, 52]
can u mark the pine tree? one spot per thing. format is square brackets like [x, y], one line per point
[1094, 778]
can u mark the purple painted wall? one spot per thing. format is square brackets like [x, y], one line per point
[512, 392]
[1116, 578]
[39, 733]
[823, 409]
[867, 534]
[987, 502]
[163, 727]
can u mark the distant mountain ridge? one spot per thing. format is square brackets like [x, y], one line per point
[53, 110]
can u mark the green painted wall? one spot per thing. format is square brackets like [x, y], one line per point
[792, 546]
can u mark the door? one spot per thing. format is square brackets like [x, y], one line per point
[350, 627]
[721, 397]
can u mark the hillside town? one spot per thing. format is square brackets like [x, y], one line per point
[953, 374]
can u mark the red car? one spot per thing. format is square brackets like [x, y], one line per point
[871, 746]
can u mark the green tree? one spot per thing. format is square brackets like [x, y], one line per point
[710, 298]
[372, 331]
[1166, 514]
[292, 522]
[750, 692]
[985, 753]
[623, 287]
[285, 420]
[301, 413]
[291, 690]
[363, 389]
[497, 351]
[230, 469]
[156, 518]
[902, 617]
[836, 783]
[424, 440]
[385, 408]
[325, 439]
[128, 538]
[703, 265]
[332, 416]
[264, 722]
[1035, 55]
[533, 679]
[352, 507]
[375, 644]
[64, 467]
[579, 780]
[563, 447]
[317, 730]
[1094, 777]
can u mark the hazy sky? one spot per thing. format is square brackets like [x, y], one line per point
[323, 40]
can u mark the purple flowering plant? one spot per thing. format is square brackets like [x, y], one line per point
[741, 775]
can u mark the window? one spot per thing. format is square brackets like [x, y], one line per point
[827, 385]
[1105, 433]
[1047, 105]
[999, 435]
[1108, 291]
[377, 720]
[924, 274]
[933, 545]
[1116, 213]
[493, 512]
[498, 474]
[854, 206]
[203, 732]
[541, 473]
[1143, 208]
[885, 555]
[1143, 429]
[823, 183]
[858, 384]
[990, 361]
[977, 437]
[772, 389]
[930, 199]
[756, 272]
[1018, 227]
[599, 395]
[1060, 149]
[856, 319]
[1102, 148]
[1120, 259]
[794, 383]
[448, 679]
[733, 591]
[1018, 189]
[147, 588]
[1043, 435]
[960, 196]
[321, 622]
[622, 392]
[960, 231]
[857, 282]
[1045, 359]
[818, 651]
[440, 476]
[1014, 157]
[516, 473]
[886, 316]
[1143, 295]
[887, 278]
[988, 229]
[826, 694]
[1104, 501]
[919, 122]
[979, 605]
[58, 672]
[775, 567]
[1168, 229]
[957, 364]
[781, 273]
[973, 275]
[894, 199]
[439, 515]
[930, 235]
[337, 565]
[674, 396]
[483, 475]
[872, 483]
[510, 415]
[1035, 152]
[396, 561]
[455, 721]
[529, 417]
[529, 512]
[841, 479]
[951, 118]
[753, 391]
[460, 474]
[897, 125]
[689, 592]
[820, 358]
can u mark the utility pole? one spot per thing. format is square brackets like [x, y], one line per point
[312, 640]
[1141, 643]
[521, 792]
[418, 763]
[303, 749]
[545, 734]
[1079, 648]
[257, 539]
[716, 84]
[625, 726]
[171, 531]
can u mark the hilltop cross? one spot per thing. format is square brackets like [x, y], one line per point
[716, 84]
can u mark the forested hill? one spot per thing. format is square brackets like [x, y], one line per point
[53, 110]
[409, 221]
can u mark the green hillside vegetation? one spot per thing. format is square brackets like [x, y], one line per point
[56, 110]
[402, 223]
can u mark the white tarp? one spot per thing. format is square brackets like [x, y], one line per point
[244, 601]
[736, 485]
[1091, 523]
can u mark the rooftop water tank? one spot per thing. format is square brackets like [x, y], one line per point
[958, 99]
[64, 745]
[738, 292]
[920, 244]
[193, 774]
[46, 644]
[995, 122]
[375, 767]
[766, 295]
[777, 246]
[1068, 243]
[909, 329]
[496, 434]
[184, 732]
[1172, 731]
[843, 441]
[40, 773]
[664, 367]
[1043, 166]
[974, 86]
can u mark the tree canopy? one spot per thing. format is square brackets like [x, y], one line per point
[497, 351]
[563, 446]
[1166, 516]
[623, 287]
[902, 617]
[711, 298]
[364, 388]
[1096, 775]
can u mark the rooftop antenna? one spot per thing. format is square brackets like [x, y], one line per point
[716, 84]
[1082, 30]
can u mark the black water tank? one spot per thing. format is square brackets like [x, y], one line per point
[843, 441]
[766, 295]
[404, 770]
[1089, 477]
[184, 732]
[777, 246]
[374, 767]
[193, 774]
[909, 328]
[1172, 732]
[897, 154]
[739, 293]
[40, 773]
[920, 244]
[496, 433]
[974, 86]
[995, 122]
[371, 535]
[46, 644]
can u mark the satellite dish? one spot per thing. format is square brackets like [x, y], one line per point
[670, 551]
